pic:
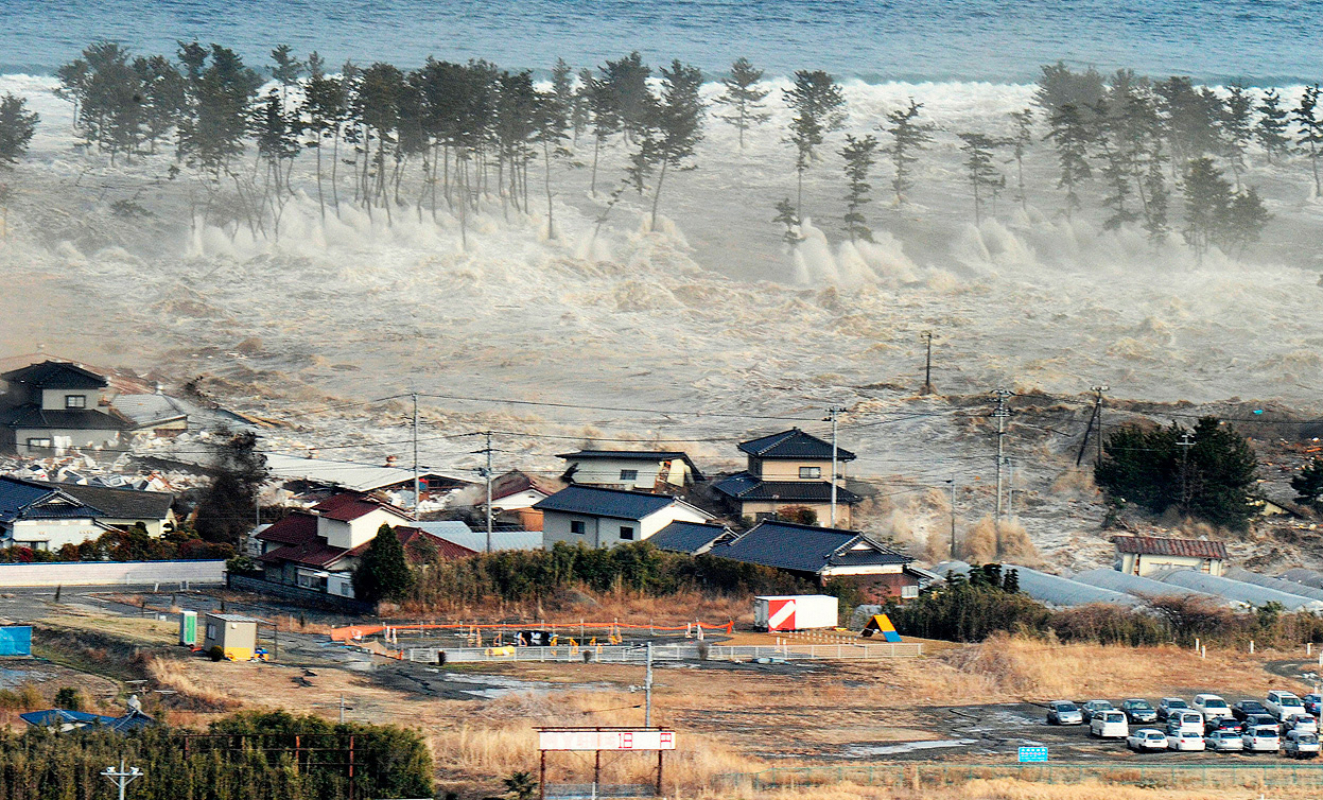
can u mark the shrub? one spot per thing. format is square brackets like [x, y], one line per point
[216, 653]
[69, 697]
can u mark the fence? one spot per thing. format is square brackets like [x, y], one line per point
[307, 597]
[592, 791]
[168, 574]
[918, 774]
[624, 654]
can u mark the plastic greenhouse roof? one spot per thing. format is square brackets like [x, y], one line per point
[1268, 582]
[1052, 589]
[1143, 588]
[1236, 590]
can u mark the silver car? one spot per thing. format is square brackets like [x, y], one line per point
[1064, 712]
[1225, 741]
[1262, 739]
[1301, 744]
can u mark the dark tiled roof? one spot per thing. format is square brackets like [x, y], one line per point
[349, 506]
[297, 528]
[687, 537]
[514, 482]
[120, 503]
[793, 443]
[20, 499]
[805, 548]
[55, 375]
[1153, 546]
[634, 455]
[32, 416]
[748, 488]
[597, 502]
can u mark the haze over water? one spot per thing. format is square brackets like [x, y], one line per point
[1255, 41]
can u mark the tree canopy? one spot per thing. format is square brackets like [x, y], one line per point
[383, 573]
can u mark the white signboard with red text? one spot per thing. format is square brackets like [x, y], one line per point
[615, 739]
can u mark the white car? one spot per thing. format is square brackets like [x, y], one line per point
[1186, 721]
[1185, 740]
[1301, 744]
[1109, 725]
[1301, 722]
[1284, 705]
[1225, 741]
[1262, 740]
[1146, 739]
[1211, 706]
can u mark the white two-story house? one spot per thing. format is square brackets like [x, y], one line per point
[789, 473]
[643, 470]
[55, 406]
[601, 518]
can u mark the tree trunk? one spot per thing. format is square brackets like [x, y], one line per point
[546, 162]
[597, 146]
[656, 195]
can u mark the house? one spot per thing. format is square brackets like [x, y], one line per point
[517, 490]
[62, 720]
[645, 470]
[1144, 555]
[355, 477]
[788, 471]
[56, 406]
[45, 517]
[234, 634]
[502, 539]
[609, 517]
[822, 554]
[124, 508]
[693, 538]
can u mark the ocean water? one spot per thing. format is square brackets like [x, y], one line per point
[1005, 41]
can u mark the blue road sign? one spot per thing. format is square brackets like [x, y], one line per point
[1033, 755]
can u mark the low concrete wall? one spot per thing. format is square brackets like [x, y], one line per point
[242, 583]
[174, 574]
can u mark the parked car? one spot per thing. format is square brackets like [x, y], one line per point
[1244, 708]
[1301, 722]
[1169, 704]
[1259, 720]
[1138, 710]
[1191, 721]
[1094, 707]
[1109, 725]
[1283, 705]
[1225, 741]
[1223, 724]
[1301, 744]
[1313, 704]
[1146, 739]
[1064, 712]
[1185, 740]
[1211, 706]
[1262, 739]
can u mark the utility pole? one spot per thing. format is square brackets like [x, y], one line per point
[953, 524]
[647, 691]
[487, 473]
[1010, 489]
[1185, 444]
[832, 412]
[417, 498]
[928, 365]
[1000, 414]
[1095, 419]
[122, 777]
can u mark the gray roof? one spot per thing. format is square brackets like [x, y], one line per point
[146, 410]
[55, 375]
[1051, 589]
[634, 455]
[344, 474]
[1308, 577]
[1236, 590]
[805, 548]
[460, 534]
[32, 416]
[1290, 587]
[1141, 587]
[20, 499]
[793, 443]
[687, 537]
[119, 503]
[744, 486]
[594, 501]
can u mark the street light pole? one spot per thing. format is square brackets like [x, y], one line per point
[122, 777]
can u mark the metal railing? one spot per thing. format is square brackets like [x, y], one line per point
[591, 791]
[625, 654]
[919, 774]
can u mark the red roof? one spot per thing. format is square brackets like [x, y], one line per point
[515, 481]
[349, 506]
[297, 528]
[313, 551]
[1153, 546]
[409, 535]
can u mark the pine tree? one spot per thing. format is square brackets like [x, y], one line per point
[383, 572]
[789, 220]
[819, 108]
[1310, 128]
[1024, 136]
[1118, 168]
[1273, 128]
[1207, 204]
[1237, 126]
[679, 122]
[1245, 220]
[552, 129]
[1308, 485]
[17, 126]
[979, 170]
[1059, 87]
[324, 108]
[605, 113]
[859, 155]
[627, 81]
[908, 136]
[111, 102]
[741, 96]
[220, 92]
[287, 70]
[1072, 138]
[164, 95]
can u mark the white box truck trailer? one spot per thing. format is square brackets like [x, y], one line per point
[794, 612]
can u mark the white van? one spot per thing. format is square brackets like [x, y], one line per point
[1111, 725]
[1284, 705]
[1185, 721]
[1211, 706]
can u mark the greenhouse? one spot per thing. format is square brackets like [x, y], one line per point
[1237, 590]
[1143, 588]
[1053, 590]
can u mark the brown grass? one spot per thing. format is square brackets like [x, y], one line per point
[197, 693]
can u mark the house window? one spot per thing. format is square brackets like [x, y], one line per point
[626, 532]
[211, 630]
[629, 474]
[577, 526]
[37, 444]
[810, 473]
[909, 592]
[75, 401]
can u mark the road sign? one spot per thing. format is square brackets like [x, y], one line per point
[1033, 755]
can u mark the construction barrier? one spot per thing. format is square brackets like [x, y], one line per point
[625, 654]
[352, 632]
